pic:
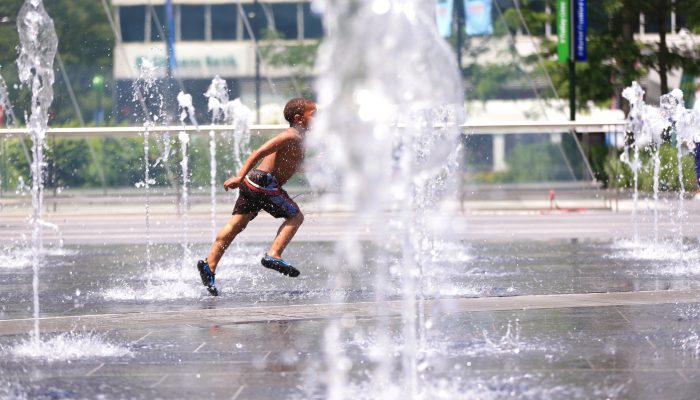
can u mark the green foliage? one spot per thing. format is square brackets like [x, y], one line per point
[536, 162]
[548, 161]
[615, 57]
[71, 164]
[597, 157]
[85, 42]
[488, 78]
[15, 164]
[299, 58]
[668, 173]
[67, 158]
[532, 13]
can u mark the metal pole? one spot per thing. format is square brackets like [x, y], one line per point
[572, 90]
[4, 168]
[458, 14]
[572, 62]
[257, 87]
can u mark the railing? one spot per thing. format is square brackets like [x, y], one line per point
[490, 150]
[514, 128]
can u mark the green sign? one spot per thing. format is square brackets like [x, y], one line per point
[563, 31]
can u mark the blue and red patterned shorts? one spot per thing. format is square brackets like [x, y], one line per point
[260, 191]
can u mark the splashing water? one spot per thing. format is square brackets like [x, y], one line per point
[69, 346]
[38, 45]
[230, 113]
[385, 139]
[218, 95]
[671, 105]
[161, 291]
[238, 115]
[635, 95]
[145, 87]
[5, 103]
[187, 110]
[648, 127]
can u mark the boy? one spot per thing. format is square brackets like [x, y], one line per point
[261, 188]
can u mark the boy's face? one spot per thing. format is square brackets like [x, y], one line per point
[309, 113]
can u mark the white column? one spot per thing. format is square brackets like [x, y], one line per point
[673, 21]
[177, 17]
[300, 21]
[548, 25]
[499, 153]
[207, 23]
[147, 16]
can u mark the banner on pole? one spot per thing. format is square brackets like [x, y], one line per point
[443, 16]
[478, 16]
[581, 31]
[563, 31]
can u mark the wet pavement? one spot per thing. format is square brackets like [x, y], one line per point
[76, 280]
[556, 319]
[631, 352]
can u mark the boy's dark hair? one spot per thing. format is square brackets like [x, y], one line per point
[295, 106]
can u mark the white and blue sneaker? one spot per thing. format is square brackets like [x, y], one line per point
[208, 277]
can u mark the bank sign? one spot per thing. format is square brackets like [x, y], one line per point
[572, 21]
[193, 60]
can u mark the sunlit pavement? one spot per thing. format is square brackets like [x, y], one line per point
[533, 303]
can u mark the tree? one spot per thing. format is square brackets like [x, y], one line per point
[85, 42]
[298, 57]
[615, 57]
[660, 56]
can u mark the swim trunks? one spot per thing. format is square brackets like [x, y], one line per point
[260, 191]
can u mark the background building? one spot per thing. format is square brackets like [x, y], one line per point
[236, 40]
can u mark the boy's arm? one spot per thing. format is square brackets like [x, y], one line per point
[267, 148]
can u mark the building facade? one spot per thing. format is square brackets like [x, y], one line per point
[210, 38]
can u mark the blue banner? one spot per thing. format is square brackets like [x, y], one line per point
[443, 16]
[478, 15]
[581, 30]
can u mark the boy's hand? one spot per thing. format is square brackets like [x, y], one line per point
[232, 183]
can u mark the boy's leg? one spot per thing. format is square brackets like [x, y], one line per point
[235, 225]
[285, 234]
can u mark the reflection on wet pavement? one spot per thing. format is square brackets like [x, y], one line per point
[638, 352]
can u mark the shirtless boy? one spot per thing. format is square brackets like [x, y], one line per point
[260, 188]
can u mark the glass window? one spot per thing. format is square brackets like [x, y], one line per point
[313, 28]
[285, 15]
[223, 21]
[158, 23]
[651, 23]
[131, 20]
[254, 14]
[191, 22]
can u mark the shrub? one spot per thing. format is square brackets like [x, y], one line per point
[622, 176]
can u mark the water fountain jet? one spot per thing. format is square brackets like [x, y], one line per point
[386, 141]
[38, 46]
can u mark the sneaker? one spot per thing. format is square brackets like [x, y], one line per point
[208, 277]
[280, 266]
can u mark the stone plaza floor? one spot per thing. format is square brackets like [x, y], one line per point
[573, 314]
